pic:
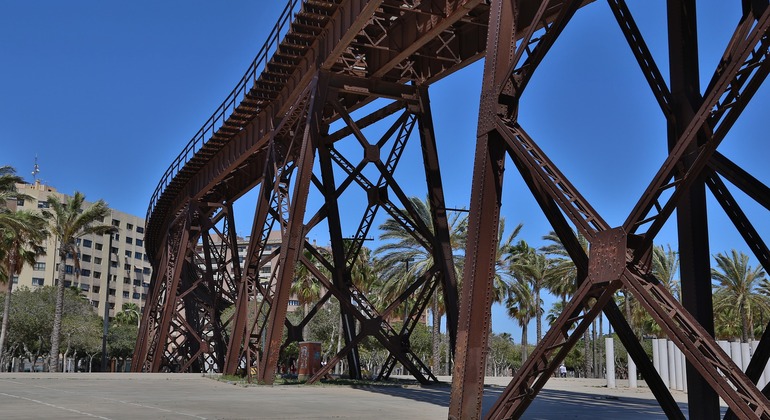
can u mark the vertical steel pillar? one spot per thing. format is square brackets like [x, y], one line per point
[291, 246]
[692, 221]
[442, 249]
[474, 321]
[340, 274]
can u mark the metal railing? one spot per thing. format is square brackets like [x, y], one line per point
[229, 105]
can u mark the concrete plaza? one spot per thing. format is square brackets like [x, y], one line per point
[191, 396]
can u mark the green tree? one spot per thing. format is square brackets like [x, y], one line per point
[128, 315]
[665, 267]
[522, 307]
[69, 221]
[403, 258]
[18, 246]
[737, 287]
[540, 271]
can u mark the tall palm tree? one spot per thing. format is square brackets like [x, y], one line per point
[540, 271]
[18, 246]
[304, 284]
[403, 258]
[737, 286]
[522, 307]
[665, 267]
[69, 220]
[565, 284]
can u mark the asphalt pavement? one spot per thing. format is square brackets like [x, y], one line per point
[193, 396]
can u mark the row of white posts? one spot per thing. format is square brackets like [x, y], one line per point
[670, 362]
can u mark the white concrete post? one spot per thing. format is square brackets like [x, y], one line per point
[631, 372]
[684, 371]
[745, 356]
[671, 364]
[655, 355]
[609, 357]
[735, 353]
[678, 368]
[663, 353]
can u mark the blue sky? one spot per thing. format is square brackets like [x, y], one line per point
[106, 94]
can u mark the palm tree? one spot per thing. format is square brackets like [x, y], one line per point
[737, 288]
[540, 271]
[304, 285]
[129, 315]
[665, 266]
[19, 246]
[522, 307]
[403, 258]
[70, 221]
[565, 283]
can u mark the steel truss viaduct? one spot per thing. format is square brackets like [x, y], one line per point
[280, 132]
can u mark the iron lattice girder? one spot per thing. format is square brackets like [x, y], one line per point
[742, 71]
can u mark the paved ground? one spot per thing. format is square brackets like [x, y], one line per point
[190, 396]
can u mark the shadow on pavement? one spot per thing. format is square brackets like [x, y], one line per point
[549, 404]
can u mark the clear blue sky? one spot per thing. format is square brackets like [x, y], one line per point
[107, 93]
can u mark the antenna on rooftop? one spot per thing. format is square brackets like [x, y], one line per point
[35, 170]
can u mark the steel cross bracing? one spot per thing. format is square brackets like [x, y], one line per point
[619, 257]
[332, 59]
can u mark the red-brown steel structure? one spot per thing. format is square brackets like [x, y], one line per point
[278, 133]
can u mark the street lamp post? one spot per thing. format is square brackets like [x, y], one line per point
[106, 321]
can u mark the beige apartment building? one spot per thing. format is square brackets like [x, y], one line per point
[113, 271]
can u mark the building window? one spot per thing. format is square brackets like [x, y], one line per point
[146, 270]
[139, 242]
[96, 289]
[136, 295]
[293, 302]
[128, 254]
[85, 273]
[137, 269]
[42, 204]
[85, 287]
[117, 236]
[115, 223]
[113, 250]
[112, 305]
[265, 269]
[85, 258]
[20, 202]
[114, 264]
[138, 255]
[67, 283]
[126, 280]
[15, 280]
[39, 266]
[98, 246]
[129, 241]
[95, 303]
[127, 267]
[87, 243]
[129, 226]
[145, 284]
[112, 292]
[97, 260]
[144, 296]
[125, 295]
[139, 229]
[68, 269]
[97, 275]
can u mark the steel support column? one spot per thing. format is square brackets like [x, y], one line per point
[692, 222]
[291, 246]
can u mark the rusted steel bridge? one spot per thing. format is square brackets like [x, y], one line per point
[278, 133]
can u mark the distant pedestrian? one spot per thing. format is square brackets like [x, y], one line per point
[562, 371]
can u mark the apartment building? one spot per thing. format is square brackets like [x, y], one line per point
[113, 270]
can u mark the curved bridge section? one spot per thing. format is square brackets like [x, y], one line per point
[328, 109]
